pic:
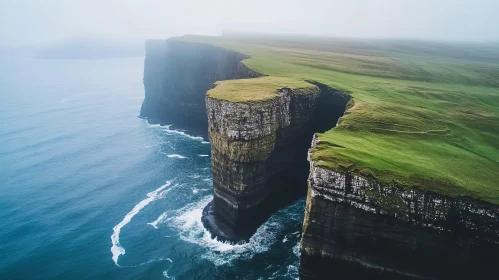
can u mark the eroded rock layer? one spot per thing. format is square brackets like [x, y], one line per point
[259, 157]
[177, 75]
[359, 227]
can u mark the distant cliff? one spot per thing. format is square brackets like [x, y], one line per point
[177, 75]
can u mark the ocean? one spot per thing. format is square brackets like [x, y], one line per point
[91, 191]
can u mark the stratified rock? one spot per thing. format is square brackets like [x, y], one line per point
[360, 228]
[259, 156]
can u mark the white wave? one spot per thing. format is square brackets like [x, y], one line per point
[165, 272]
[196, 176]
[116, 249]
[292, 272]
[160, 219]
[196, 190]
[203, 155]
[285, 239]
[176, 156]
[166, 128]
[180, 132]
[296, 249]
[188, 222]
[148, 262]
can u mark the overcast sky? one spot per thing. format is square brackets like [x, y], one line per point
[44, 21]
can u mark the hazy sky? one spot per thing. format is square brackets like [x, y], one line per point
[42, 21]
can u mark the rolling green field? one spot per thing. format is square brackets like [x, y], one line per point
[424, 114]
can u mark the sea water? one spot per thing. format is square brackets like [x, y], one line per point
[88, 190]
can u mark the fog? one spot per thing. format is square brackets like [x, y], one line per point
[31, 22]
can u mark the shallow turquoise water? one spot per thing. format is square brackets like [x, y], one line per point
[91, 191]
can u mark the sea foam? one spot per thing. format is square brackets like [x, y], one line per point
[166, 128]
[176, 156]
[188, 222]
[165, 272]
[158, 220]
[116, 249]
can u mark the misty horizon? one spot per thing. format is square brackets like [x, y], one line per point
[30, 23]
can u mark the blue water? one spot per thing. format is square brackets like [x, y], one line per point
[91, 191]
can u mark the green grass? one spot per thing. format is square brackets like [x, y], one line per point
[425, 114]
[258, 89]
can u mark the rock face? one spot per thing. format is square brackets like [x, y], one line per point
[177, 75]
[360, 228]
[259, 157]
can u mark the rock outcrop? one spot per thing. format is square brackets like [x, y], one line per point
[259, 156]
[177, 75]
[360, 228]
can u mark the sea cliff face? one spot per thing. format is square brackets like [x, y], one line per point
[360, 227]
[177, 75]
[258, 156]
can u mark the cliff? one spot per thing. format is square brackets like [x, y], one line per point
[260, 130]
[360, 227]
[177, 75]
[356, 225]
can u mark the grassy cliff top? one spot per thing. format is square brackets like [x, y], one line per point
[257, 89]
[425, 114]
